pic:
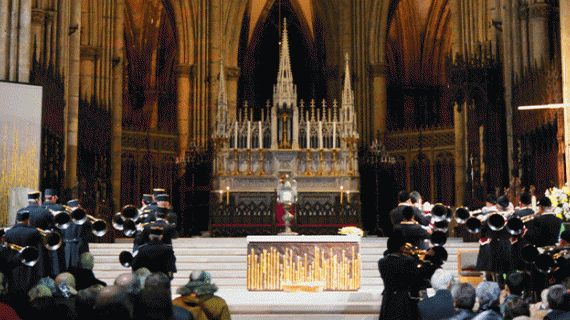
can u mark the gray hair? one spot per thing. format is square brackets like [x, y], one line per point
[488, 294]
[442, 279]
[463, 295]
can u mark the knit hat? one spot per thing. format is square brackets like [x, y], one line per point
[199, 284]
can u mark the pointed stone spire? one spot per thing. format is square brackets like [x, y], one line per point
[285, 92]
[347, 93]
[222, 105]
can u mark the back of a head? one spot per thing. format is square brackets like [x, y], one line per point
[86, 260]
[415, 196]
[488, 294]
[557, 297]
[154, 303]
[544, 201]
[515, 307]
[403, 196]
[157, 280]
[67, 278]
[396, 241]
[113, 302]
[463, 295]
[408, 212]
[491, 198]
[525, 198]
[441, 279]
[129, 281]
[517, 282]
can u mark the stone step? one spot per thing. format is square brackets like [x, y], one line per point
[225, 259]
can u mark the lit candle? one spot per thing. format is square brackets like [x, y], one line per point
[308, 134]
[341, 187]
[235, 134]
[228, 194]
[221, 195]
[249, 134]
[260, 136]
[334, 135]
[320, 134]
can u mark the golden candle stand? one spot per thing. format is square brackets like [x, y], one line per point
[249, 172]
[333, 171]
[321, 172]
[308, 172]
[235, 171]
[261, 171]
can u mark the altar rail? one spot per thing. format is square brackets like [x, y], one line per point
[243, 218]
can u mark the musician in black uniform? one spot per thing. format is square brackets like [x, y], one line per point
[24, 277]
[542, 230]
[39, 217]
[402, 275]
[495, 244]
[163, 200]
[526, 206]
[414, 233]
[57, 257]
[155, 255]
[76, 238]
[404, 200]
[169, 233]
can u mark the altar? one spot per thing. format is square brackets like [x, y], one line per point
[316, 145]
[303, 263]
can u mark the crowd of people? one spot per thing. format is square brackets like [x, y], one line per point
[524, 255]
[46, 268]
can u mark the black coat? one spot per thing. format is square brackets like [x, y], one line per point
[397, 217]
[23, 277]
[543, 230]
[439, 306]
[40, 217]
[155, 256]
[494, 250]
[169, 230]
[414, 234]
[75, 242]
[401, 277]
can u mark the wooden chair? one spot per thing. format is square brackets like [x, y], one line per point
[467, 267]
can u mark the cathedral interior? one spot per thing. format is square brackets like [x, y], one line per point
[130, 90]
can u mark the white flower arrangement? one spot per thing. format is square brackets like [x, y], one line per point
[351, 230]
[560, 198]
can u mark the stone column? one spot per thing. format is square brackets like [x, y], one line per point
[73, 102]
[538, 21]
[232, 76]
[565, 53]
[4, 39]
[379, 104]
[117, 102]
[87, 76]
[25, 41]
[184, 73]
[460, 125]
[508, 81]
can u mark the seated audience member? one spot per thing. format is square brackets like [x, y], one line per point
[516, 309]
[488, 294]
[557, 301]
[198, 297]
[516, 284]
[158, 284]
[66, 294]
[142, 274]
[464, 300]
[130, 282]
[441, 304]
[113, 303]
[86, 301]
[83, 273]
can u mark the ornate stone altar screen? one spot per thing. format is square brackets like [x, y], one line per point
[303, 263]
[315, 145]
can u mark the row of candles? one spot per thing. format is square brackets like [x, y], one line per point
[268, 269]
[227, 191]
[251, 125]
